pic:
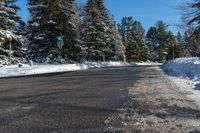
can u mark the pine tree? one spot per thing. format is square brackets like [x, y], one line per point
[133, 38]
[3, 19]
[71, 23]
[15, 27]
[192, 15]
[39, 37]
[9, 26]
[179, 37]
[180, 42]
[186, 44]
[50, 19]
[109, 34]
[125, 28]
[191, 19]
[91, 33]
[195, 20]
[8, 15]
[194, 46]
[159, 40]
[136, 49]
[152, 43]
[174, 50]
[162, 36]
[97, 25]
[191, 42]
[15, 20]
[119, 48]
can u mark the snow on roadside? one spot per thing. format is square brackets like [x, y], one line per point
[14, 70]
[188, 87]
[185, 68]
[148, 63]
[185, 73]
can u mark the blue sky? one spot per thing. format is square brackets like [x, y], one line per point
[146, 11]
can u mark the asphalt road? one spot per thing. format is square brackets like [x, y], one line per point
[125, 99]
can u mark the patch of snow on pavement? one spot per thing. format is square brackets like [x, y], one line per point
[14, 70]
[188, 87]
[185, 73]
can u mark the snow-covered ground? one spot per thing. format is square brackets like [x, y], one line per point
[14, 70]
[148, 63]
[185, 73]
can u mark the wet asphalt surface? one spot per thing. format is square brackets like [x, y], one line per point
[65, 102]
[138, 99]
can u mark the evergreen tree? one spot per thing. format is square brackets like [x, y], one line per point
[186, 44]
[3, 19]
[40, 31]
[91, 31]
[194, 20]
[191, 19]
[15, 27]
[8, 15]
[12, 16]
[194, 46]
[159, 40]
[191, 43]
[9, 26]
[119, 48]
[97, 30]
[109, 34]
[180, 41]
[50, 19]
[174, 50]
[136, 49]
[133, 38]
[179, 38]
[71, 23]
[152, 43]
[163, 40]
[125, 28]
[192, 14]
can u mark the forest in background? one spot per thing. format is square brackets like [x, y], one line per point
[89, 33]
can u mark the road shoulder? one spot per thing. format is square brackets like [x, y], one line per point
[157, 105]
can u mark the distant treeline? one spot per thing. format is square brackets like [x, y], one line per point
[90, 34]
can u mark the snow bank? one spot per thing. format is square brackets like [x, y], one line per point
[148, 63]
[185, 68]
[189, 87]
[14, 70]
[185, 73]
